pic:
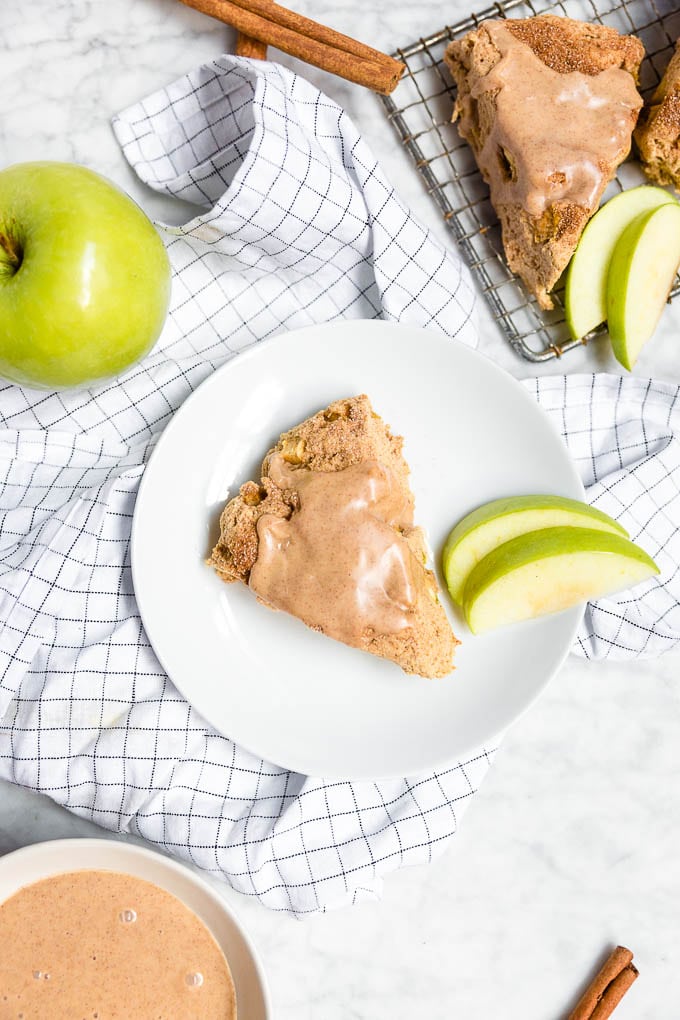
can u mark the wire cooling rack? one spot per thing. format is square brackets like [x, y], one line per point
[420, 110]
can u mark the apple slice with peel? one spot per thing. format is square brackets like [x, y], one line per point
[641, 274]
[550, 570]
[502, 519]
[585, 296]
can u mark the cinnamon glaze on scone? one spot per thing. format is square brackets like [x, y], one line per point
[548, 106]
[328, 536]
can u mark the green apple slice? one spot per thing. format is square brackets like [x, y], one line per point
[502, 519]
[550, 570]
[585, 295]
[641, 274]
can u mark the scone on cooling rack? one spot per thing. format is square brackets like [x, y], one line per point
[657, 135]
[548, 105]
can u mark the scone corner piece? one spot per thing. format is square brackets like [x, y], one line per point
[657, 134]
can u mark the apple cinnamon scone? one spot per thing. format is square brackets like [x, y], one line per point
[657, 135]
[548, 105]
[327, 535]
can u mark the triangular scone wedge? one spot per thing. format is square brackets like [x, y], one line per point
[548, 106]
[658, 132]
[328, 536]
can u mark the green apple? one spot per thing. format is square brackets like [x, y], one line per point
[502, 519]
[550, 570]
[84, 277]
[641, 274]
[585, 296]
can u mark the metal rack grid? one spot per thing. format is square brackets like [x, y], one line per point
[420, 110]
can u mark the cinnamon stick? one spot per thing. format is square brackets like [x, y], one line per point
[307, 40]
[313, 29]
[615, 992]
[246, 46]
[607, 988]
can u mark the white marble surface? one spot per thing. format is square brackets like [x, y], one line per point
[571, 845]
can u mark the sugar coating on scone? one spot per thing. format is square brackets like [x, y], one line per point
[548, 105]
[328, 536]
[657, 135]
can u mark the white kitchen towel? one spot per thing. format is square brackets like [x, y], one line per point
[298, 226]
[624, 435]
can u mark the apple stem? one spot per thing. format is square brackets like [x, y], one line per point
[10, 253]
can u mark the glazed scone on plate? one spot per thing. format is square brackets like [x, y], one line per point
[658, 132]
[327, 535]
[548, 105]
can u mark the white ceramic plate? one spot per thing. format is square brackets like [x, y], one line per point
[42, 860]
[262, 678]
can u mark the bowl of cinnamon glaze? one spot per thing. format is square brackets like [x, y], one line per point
[102, 930]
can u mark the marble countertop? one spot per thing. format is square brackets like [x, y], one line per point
[571, 844]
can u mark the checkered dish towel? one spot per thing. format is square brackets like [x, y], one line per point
[298, 226]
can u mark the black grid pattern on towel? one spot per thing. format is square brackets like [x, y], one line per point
[296, 225]
[624, 435]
